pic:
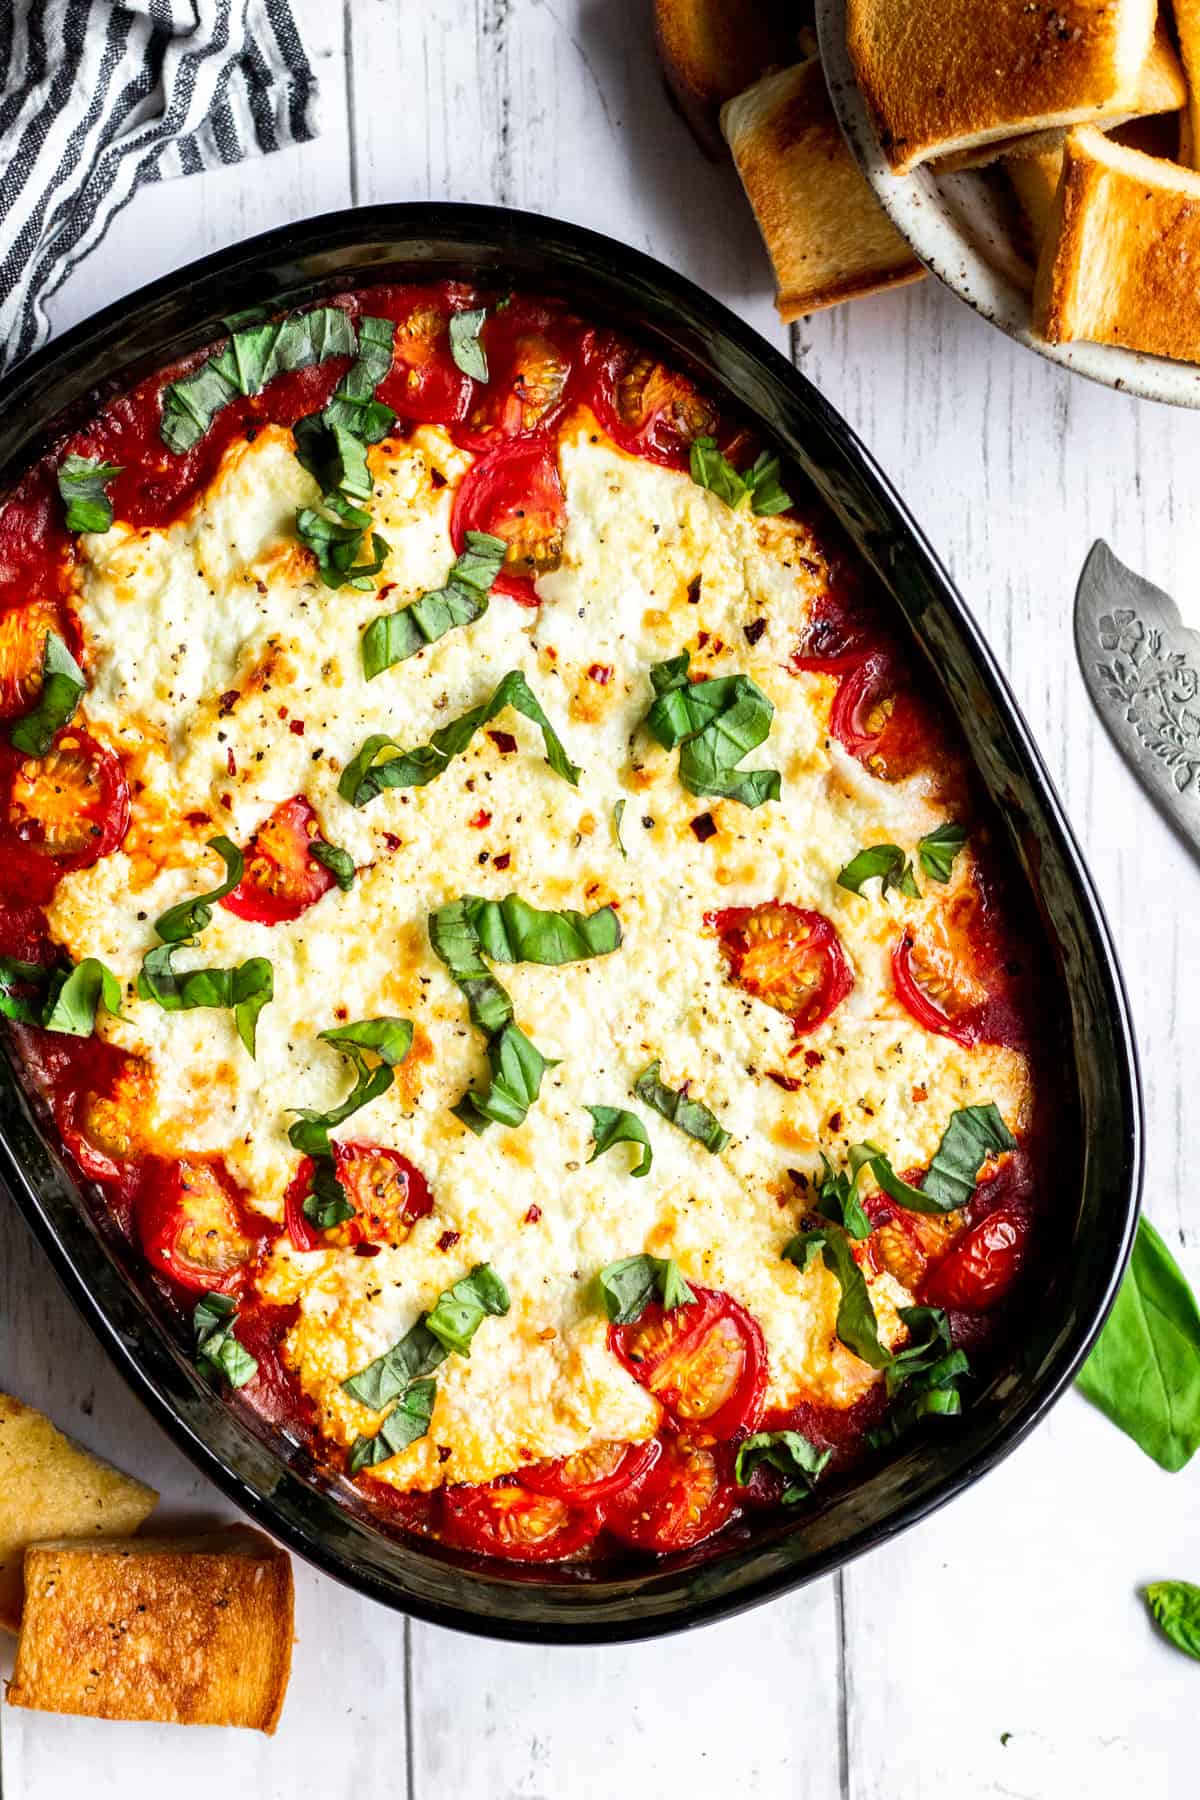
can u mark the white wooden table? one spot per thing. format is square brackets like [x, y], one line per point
[1001, 1648]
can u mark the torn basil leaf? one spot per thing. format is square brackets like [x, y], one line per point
[626, 1288]
[857, 1326]
[512, 931]
[254, 355]
[758, 487]
[333, 456]
[618, 813]
[517, 1067]
[326, 1204]
[462, 600]
[460, 1310]
[1175, 1609]
[974, 1134]
[62, 685]
[82, 483]
[353, 406]
[339, 862]
[612, 1125]
[838, 1201]
[691, 1116]
[885, 862]
[190, 917]
[465, 345]
[797, 1460]
[1144, 1372]
[218, 1353]
[374, 1047]
[417, 1354]
[456, 943]
[407, 1421]
[715, 724]
[337, 542]
[381, 763]
[924, 1373]
[938, 849]
[74, 997]
[244, 990]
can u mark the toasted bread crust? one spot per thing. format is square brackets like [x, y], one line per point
[1187, 24]
[827, 236]
[193, 1631]
[1118, 264]
[712, 49]
[944, 76]
[50, 1487]
[1035, 182]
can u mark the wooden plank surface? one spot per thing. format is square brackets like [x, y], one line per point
[1001, 1649]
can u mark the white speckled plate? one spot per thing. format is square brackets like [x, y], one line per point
[966, 233]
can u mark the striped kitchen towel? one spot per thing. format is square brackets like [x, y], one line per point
[99, 96]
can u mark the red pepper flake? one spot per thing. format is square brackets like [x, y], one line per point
[754, 630]
[283, 712]
[448, 1240]
[919, 1094]
[392, 841]
[197, 818]
[482, 819]
[693, 592]
[297, 727]
[704, 827]
[835, 1121]
[504, 741]
[789, 1083]
[502, 861]
[601, 673]
[227, 702]
[702, 638]
[813, 1059]
[533, 1215]
[367, 1249]
[227, 802]
[436, 479]
[230, 764]
[444, 1453]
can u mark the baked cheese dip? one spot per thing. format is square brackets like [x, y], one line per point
[502, 923]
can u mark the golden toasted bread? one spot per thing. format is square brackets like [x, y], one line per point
[1035, 183]
[1161, 88]
[1187, 24]
[1119, 262]
[946, 76]
[50, 1487]
[712, 49]
[189, 1631]
[827, 235]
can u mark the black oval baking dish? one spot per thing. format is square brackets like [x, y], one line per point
[268, 1477]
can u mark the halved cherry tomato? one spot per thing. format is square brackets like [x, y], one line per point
[424, 381]
[387, 1192]
[515, 492]
[102, 1125]
[905, 1243]
[506, 1519]
[648, 409]
[71, 804]
[193, 1229]
[843, 622]
[981, 1265]
[281, 880]
[22, 650]
[531, 354]
[937, 989]
[787, 956]
[683, 1499]
[706, 1362]
[882, 721]
[594, 1474]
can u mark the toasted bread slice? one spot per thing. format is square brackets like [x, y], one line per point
[50, 1487]
[712, 49]
[1119, 262]
[827, 235]
[1035, 183]
[945, 76]
[1187, 24]
[190, 1631]
[1161, 88]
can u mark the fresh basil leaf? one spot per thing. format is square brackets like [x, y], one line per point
[613, 1125]
[407, 1421]
[618, 813]
[512, 931]
[354, 407]
[759, 488]
[388, 1040]
[929, 1341]
[974, 1134]
[798, 1460]
[82, 484]
[1175, 1607]
[460, 1310]
[339, 862]
[326, 1204]
[938, 849]
[218, 1353]
[925, 1373]
[626, 1288]
[191, 917]
[716, 724]
[462, 600]
[333, 456]
[1144, 1372]
[838, 1200]
[336, 545]
[691, 1116]
[245, 989]
[418, 1353]
[14, 975]
[382, 764]
[885, 861]
[465, 345]
[251, 358]
[74, 997]
[456, 942]
[62, 684]
[857, 1326]
[517, 1067]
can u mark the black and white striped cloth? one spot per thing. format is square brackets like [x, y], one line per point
[99, 96]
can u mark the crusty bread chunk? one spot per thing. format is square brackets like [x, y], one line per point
[50, 1487]
[1187, 24]
[712, 49]
[828, 237]
[1119, 262]
[944, 76]
[190, 1631]
[1035, 183]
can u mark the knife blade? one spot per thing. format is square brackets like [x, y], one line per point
[1141, 666]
